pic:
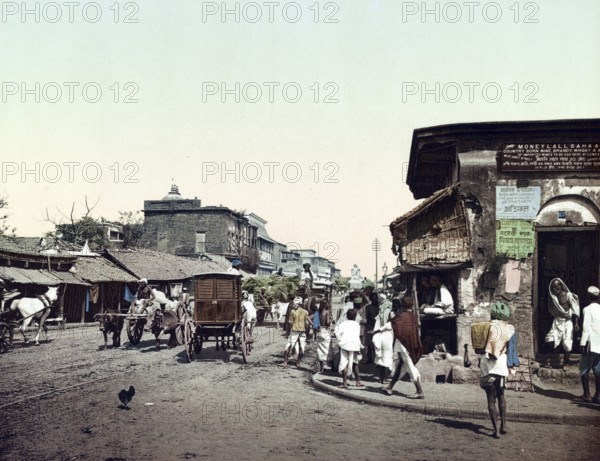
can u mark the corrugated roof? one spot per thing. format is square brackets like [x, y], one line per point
[155, 265]
[98, 269]
[38, 276]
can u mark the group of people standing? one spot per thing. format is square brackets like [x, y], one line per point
[386, 328]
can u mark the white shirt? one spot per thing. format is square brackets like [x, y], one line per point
[443, 299]
[348, 335]
[249, 311]
[591, 327]
[304, 276]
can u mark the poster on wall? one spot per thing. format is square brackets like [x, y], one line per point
[518, 202]
[515, 238]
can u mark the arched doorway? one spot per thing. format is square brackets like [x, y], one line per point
[568, 243]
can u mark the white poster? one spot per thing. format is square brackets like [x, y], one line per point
[517, 202]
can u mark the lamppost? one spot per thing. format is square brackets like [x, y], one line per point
[376, 247]
[385, 269]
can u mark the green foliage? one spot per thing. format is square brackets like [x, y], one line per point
[132, 227]
[4, 228]
[342, 283]
[277, 288]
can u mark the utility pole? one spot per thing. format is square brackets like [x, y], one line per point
[376, 247]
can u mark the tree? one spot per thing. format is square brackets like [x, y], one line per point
[4, 228]
[342, 283]
[277, 288]
[132, 227]
[79, 230]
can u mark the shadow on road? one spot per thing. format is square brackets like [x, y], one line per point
[456, 424]
[554, 394]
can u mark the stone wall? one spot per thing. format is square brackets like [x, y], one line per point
[175, 233]
[485, 282]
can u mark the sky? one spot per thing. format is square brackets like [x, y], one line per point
[301, 112]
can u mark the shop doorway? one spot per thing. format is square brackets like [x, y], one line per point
[573, 257]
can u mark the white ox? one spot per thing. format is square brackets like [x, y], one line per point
[159, 298]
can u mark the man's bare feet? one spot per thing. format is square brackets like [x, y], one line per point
[503, 430]
[359, 384]
[343, 386]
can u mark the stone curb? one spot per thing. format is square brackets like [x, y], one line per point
[469, 410]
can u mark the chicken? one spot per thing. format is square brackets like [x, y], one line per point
[126, 396]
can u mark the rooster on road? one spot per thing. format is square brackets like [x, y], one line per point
[126, 396]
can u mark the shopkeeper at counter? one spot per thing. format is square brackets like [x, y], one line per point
[443, 303]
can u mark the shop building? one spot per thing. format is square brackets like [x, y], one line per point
[508, 207]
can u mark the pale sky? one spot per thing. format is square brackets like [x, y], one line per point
[373, 64]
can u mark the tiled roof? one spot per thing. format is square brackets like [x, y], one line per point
[98, 269]
[37, 246]
[38, 276]
[155, 265]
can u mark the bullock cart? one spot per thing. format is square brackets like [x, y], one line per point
[133, 322]
[217, 315]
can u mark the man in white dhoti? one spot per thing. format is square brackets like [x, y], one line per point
[322, 323]
[564, 307]
[297, 339]
[348, 334]
[383, 340]
[590, 345]
[407, 348]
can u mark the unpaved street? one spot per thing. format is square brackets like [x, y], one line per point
[59, 402]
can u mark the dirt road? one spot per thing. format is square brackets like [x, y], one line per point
[59, 402]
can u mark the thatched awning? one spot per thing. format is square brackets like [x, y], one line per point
[434, 232]
[425, 205]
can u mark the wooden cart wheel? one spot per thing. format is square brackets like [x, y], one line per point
[180, 334]
[244, 341]
[6, 338]
[188, 333]
[135, 330]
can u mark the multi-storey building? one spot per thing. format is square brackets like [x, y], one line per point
[184, 227]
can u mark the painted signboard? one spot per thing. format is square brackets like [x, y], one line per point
[551, 157]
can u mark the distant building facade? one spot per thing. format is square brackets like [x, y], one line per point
[186, 228]
[269, 249]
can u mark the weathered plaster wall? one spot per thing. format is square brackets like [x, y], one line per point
[485, 283]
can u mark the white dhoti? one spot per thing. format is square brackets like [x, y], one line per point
[408, 366]
[348, 358]
[324, 350]
[561, 332]
[384, 349]
[297, 339]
